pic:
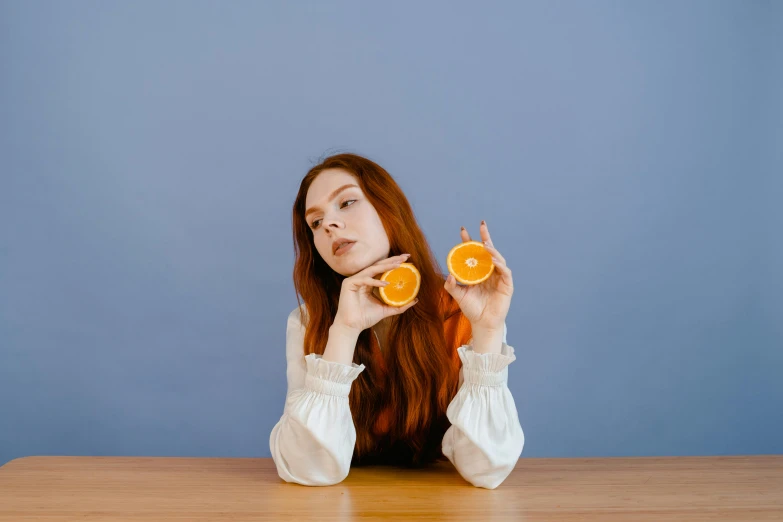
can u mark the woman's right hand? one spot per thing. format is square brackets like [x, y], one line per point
[359, 309]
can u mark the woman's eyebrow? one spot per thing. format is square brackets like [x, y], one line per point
[331, 197]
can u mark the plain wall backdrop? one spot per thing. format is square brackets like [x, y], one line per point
[626, 156]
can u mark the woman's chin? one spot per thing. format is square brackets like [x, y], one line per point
[348, 268]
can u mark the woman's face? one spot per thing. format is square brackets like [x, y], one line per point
[340, 212]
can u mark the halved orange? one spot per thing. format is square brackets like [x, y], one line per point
[404, 283]
[470, 263]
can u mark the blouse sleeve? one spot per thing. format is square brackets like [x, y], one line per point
[312, 444]
[485, 438]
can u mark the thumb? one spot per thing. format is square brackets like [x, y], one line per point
[452, 288]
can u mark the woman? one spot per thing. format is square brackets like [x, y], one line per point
[374, 384]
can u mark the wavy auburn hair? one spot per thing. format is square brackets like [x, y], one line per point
[422, 371]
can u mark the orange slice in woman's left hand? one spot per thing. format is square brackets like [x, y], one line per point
[470, 263]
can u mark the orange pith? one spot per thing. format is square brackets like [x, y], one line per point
[405, 281]
[470, 263]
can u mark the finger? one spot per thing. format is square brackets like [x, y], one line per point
[464, 235]
[500, 264]
[495, 254]
[485, 237]
[357, 284]
[380, 268]
[452, 288]
[369, 281]
[504, 271]
[403, 257]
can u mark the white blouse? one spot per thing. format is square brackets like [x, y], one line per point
[312, 444]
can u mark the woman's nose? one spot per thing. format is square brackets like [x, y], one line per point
[333, 223]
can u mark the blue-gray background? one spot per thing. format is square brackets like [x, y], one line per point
[626, 156]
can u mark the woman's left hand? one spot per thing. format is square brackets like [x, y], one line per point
[486, 304]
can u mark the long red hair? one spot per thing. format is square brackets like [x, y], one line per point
[422, 371]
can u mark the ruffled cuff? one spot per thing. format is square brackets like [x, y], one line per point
[330, 377]
[488, 369]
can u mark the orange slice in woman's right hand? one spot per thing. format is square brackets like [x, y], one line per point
[470, 263]
[404, 283]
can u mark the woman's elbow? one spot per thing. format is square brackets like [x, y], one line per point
[310, 474]
[311, 466]
[493, 467]
[310, 477]
[494, 475]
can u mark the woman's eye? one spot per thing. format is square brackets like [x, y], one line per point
[315, 223]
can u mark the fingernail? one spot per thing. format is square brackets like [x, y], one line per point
[462, 228]
[483, 222]
[386, 283]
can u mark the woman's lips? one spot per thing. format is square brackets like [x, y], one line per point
[345, 247]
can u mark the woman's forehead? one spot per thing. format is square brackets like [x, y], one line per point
[326, 184]
[332, 178]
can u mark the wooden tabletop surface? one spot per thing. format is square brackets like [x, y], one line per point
[240, 489]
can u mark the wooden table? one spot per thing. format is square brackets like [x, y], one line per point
[605, 489]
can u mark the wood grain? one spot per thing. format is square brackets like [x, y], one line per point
[605, 489]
